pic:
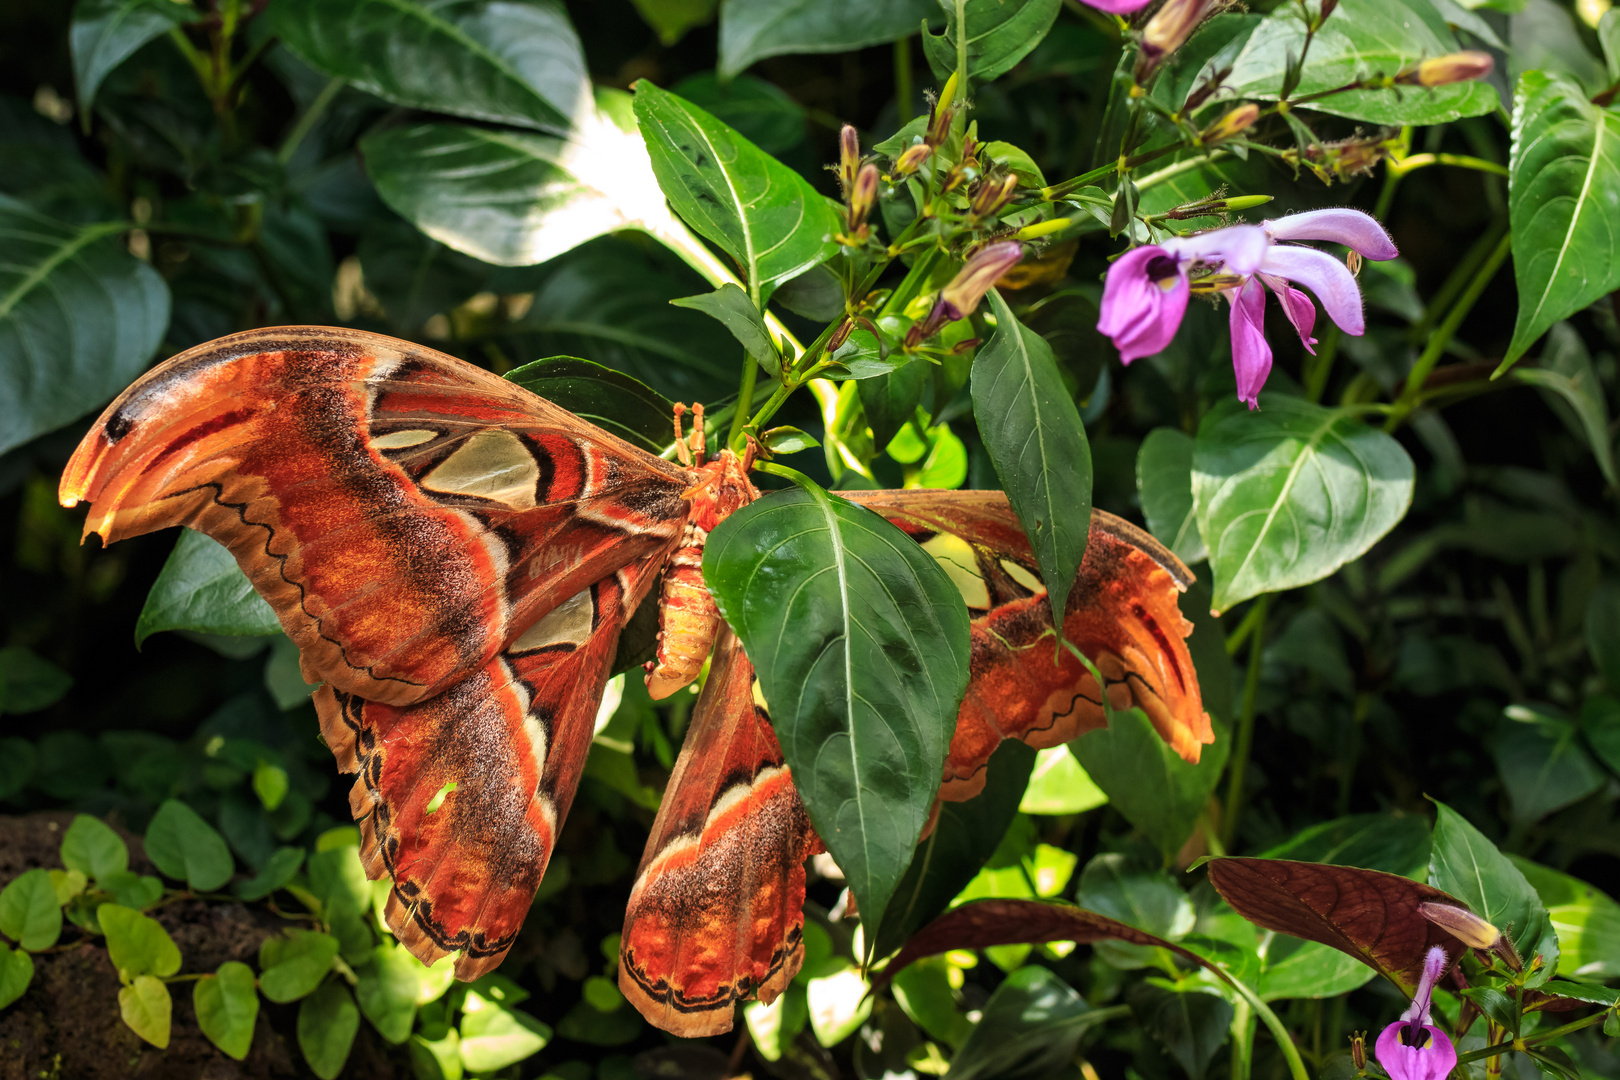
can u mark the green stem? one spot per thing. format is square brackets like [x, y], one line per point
[1461, 161]
[902, 79]
[961, 51]
[745, 398]
[306, 123]
[1443, 334]
[1170, 172]
[1285, 1042]
[1242, 1041]
[1320, 366]
[1245, 735]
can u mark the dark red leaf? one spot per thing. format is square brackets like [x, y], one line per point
[1371, 915]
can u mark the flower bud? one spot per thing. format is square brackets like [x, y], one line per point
[849, 157]
[1454, 67]
[975, 279]
[862, 196]
[1042, 228]
[1358, 1050]
[1461, 924]
[839, 336]
[1233, 124]
[991, 196]
[912, 159]
[1171, 26]
[939, 118]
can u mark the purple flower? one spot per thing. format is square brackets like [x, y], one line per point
[1118, 7]
[1146, 293]
[1412, 1048]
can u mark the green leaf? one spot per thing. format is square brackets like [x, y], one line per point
[839, 1002]
[29, 682]
[1602, 627]
[759, 211]
[731, 306]
[67, 884]
[270, 784]
[611, 400]
[1031, 1026]
[29, 912]
[186, 848]
[673, 18]
[16, 972]
[90, 845]
[761, 112]
[201, 588]
[79, 319]
[493, 1037]
[277, 872]
[511, 198]
[291, 967]
[1148, 782]
[1164, 480]
[963, 838]
[1563, 204]
[137, 944]
[1586, 920]
[105, 33]
[227, 1005]
[861, 645]
[1393, 843]
[1307, 969]
[751, 30]
[1361, 38]
[994, 36]
[888, 398]
[146, 1006]
[1570, 386]
[1190, 1024]
[327, 1024]
[1058, 785]
[131, 890]
[1468, 866]
[1288, 494]
[516, 62]
[1032, 432]
[1138, 895]
[1543, 764]
[387, 989]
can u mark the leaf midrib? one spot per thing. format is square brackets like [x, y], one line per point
[37, 276]
[1307, 451]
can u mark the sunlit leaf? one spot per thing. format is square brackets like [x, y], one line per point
[1059, 785]
[137, 944]
[1470, 867]
[994, 36]
[30, 914]
[146, 1007]
[227, 1006]
[751, 30]
[493, 1037]
[1586, 920]
[838, 1003]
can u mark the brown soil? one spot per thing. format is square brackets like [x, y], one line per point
[67, 1026]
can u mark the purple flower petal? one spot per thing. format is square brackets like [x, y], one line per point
[1143, 302]
[1251, 355]
[1325, 276]
[1340, 225]
[1431, 1061]
[1118, 7]
[1239, 248]
[1297, 306]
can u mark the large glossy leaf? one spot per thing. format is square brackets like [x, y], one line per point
[963, 838]
[1288, 494]
[763, 214]
[105, 33]
[1563, 203]
[201, 588]
[1032, 432]
[1368, 914]
[861, 644]
[1164, 480]
[1031, 1026]
[1586, 919]
[1148, 782]
[508, 61]
[751, 30]
[1361, 38]
[79, 319]
[611, 400]
[994, 36]
[1467, 865]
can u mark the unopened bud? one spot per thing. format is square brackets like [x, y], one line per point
[1233, 124]
[939, 119]
[912, 159]
[991, 196]
[1454, 67]
[839, 336]
[863, 196]
[1171, 26]
[1358, 1050]
[980, 274]
[849, 157]
[1042, 228]
[1461, 924]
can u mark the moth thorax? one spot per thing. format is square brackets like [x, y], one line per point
[687, 619]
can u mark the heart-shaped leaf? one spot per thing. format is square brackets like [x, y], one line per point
[861, 644]
[1033, 434]
[16, 972]
[751, 30]
[990, 37]
[91, 846]
[327, 1024]
[515, 62]
[1288, 494]
[291, 967]
[136, 943]
[186, 848]
[1371, 915]
[1563, 204]
[762, 213]
[146, 1007]
[30, 913]
[227, 1005]
[387, 988]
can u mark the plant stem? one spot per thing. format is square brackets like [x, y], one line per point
[902, 79]
[1245, 735]
[745, 398]
[306, 123]
[1242, 1041]
[1443, 334]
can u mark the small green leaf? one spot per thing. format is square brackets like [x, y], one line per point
[387, 988]
[1031, 1026]
[201, 588]
[1468, 866]
[146, 1006]
[137, 944]
[91, 846]
[293, 966]
[610, 399]
[493, 1037]
[67, 884]
[889, 398]
[105, 33]
[277, 872]
[1034, 436]
[270, 784]
[29, 682]
[1164, 480]
[1288, 494]
[186, 848]
[1146, 781]
[1308, 969]
[762, 213]
[132, 890]
[16, 972]
[1058, 786]
[327, 1024]
[751, 30]
[994, 36]
[29, 912]
[227, 1005]
[737, 313]
[673, 18]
